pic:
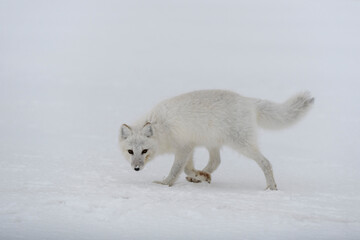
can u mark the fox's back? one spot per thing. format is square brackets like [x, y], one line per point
[204, 115]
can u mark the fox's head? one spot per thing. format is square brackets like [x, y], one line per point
[137, 144]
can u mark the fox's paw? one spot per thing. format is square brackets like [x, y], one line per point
[165, 182]
[272, 187]
[203, 176]
[193, 180]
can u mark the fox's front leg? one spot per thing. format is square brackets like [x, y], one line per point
[194, 175]
[181, 157]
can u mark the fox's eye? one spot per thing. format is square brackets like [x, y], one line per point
[130, 151]
[144, 151]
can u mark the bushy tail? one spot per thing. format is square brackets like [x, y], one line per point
[276, 116]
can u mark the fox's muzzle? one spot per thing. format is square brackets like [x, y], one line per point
[137, 165]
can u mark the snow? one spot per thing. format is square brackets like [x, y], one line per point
[71, 72]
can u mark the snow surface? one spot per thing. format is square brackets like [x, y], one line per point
[71, 72]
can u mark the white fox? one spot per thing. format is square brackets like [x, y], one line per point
[209, 118]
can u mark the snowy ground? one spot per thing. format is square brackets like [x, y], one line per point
[72, 72]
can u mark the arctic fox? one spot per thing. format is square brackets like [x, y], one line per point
[208, 118]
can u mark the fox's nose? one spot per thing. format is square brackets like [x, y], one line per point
[137, 168]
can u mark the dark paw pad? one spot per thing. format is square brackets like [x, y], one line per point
[193, 180]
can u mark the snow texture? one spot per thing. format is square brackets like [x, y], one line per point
[71, 72]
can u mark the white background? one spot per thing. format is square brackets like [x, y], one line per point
[71, 72]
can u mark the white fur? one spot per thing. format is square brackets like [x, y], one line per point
[209, 118]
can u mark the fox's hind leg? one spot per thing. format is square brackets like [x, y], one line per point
[194, 175]
[244, 140]
[265, 165]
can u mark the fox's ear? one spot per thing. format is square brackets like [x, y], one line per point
[147, 130]
[125, 131]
